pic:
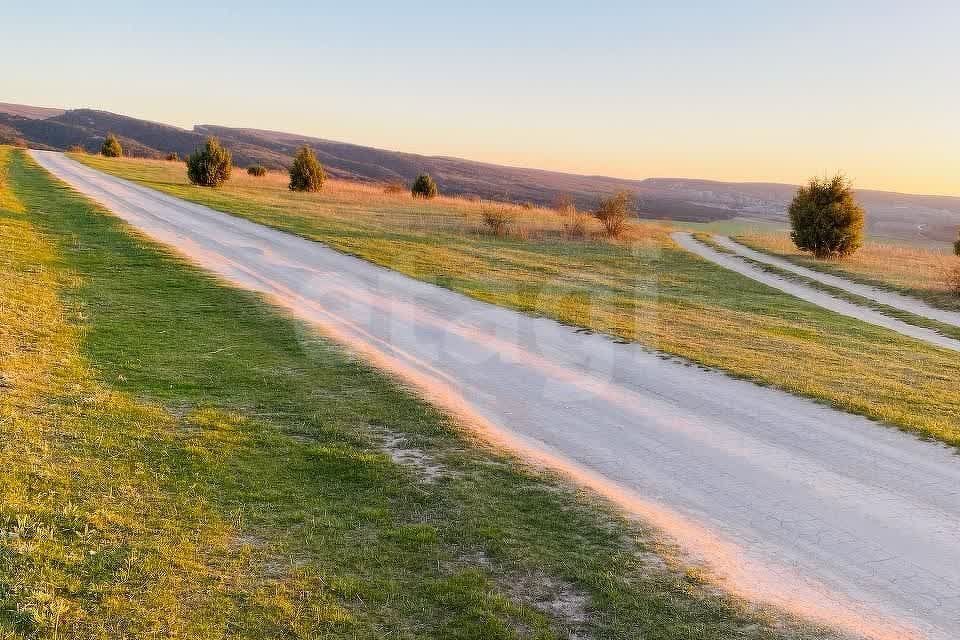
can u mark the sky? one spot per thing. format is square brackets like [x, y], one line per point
[754, 91]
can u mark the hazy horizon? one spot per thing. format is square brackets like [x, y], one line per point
[743, 93]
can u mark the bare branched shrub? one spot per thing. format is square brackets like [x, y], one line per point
[497, 218]
[613, 213]
[953, 278]
[395, 187]
[574, 222]
[564, 202]
[76, 149]
[173, 157]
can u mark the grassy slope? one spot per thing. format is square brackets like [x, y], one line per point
[176, 458]
[922, 273]
[646, 290]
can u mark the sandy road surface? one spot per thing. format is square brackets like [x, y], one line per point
[814, 295]
[790, 501]
[888, 298]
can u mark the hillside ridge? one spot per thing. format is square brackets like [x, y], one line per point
[918, 218]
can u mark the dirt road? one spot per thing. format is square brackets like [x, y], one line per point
[813, 295]
[791, 502]
[882, 296]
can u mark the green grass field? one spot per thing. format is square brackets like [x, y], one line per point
[644, 289]
[737, 226]
[178, 459]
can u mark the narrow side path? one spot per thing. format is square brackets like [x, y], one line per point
[813, 295]
[881, 296]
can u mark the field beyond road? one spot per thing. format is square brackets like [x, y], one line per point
[805, 286]
[927, 274]
[643, 288]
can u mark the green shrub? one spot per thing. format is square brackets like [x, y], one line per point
[210, 165]
[424, 187]
[257, 170]
[613, 213]
[956, 245]
[826, 218]
[111, 147]
[306, 173]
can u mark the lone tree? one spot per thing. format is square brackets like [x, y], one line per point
[424, 187]
[826, 218]
[306, 173]
[956, 245]
[210, 165]
[613, 212]
[111, 147]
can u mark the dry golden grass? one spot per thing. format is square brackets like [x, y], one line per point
[435, 213]
[8, 201]
[456, 214]
[926, 273]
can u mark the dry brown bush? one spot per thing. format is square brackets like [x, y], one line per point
[497, 218]
[395, 187]
[574, 222]
[953, 278]
[613, 212]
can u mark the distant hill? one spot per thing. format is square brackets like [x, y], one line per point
[907, 217]
[899, 216]
[26, 111]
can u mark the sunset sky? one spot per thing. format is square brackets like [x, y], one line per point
[731, 91]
